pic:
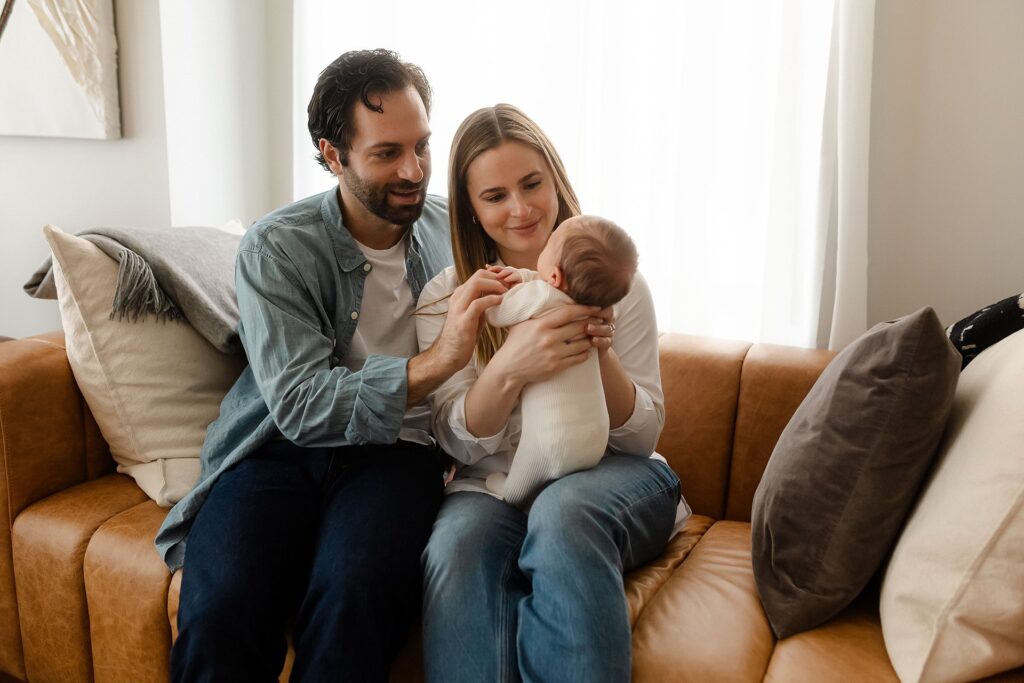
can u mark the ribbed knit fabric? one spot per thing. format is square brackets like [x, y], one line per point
[565, 418]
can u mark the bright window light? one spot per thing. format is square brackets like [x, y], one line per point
[696, 125]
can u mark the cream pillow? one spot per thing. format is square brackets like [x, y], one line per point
[153, 387]
[952, 604]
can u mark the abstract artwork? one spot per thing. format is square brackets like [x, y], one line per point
[58, 69]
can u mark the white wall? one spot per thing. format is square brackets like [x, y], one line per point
[226, 70]
[946, 209]
[205, 89]
[76, 184]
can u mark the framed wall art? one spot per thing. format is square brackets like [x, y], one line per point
[58, 69]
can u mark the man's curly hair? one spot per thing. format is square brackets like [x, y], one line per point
[356, 77]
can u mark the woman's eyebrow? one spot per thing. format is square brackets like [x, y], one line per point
[481, 193]
[524, 179]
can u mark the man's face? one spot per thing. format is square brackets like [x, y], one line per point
[389, 162]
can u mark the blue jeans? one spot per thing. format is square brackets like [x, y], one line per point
[539, 597]
[325, 540]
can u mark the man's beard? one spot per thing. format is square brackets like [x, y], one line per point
[375, 198]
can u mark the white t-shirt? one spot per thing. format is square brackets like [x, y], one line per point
[387, 326]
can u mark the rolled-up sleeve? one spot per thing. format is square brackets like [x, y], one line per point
[313, 401]
[448, 401]
[636, 345]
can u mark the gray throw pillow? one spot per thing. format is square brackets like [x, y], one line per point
[847, 468]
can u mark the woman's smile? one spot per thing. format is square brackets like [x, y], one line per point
[525, 228]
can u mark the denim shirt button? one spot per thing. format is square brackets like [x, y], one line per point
[354, 315]
[367, 267]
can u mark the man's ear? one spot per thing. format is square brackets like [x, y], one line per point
[331, 156]
[556, 279]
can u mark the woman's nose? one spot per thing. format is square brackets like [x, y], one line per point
[517, 207]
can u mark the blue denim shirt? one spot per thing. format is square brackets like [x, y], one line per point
[299, 278]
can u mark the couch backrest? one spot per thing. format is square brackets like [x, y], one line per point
[726, 403]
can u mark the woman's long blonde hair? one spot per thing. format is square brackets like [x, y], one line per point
[483, 130]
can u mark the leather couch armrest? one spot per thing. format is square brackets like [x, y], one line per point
[48, 439]
[48, 442]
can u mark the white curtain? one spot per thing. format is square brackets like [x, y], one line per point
[845, 149]
[696, 125]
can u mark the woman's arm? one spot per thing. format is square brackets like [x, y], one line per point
[633, 357]
[619, 390]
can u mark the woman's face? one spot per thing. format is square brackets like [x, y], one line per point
[512, 192]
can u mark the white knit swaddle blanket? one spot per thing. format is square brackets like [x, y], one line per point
[565, 418]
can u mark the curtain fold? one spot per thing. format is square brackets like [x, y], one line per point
[843, 207]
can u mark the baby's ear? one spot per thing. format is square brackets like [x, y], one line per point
[556, 279]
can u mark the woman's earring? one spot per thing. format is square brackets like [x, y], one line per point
[475, 221]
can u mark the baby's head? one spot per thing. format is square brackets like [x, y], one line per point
[591, 259]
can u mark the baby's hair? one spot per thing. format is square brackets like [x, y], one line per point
[599, 261]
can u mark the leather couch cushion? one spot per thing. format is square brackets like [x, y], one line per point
[847, 648]
[126, 586]
[701, 380]
[706, 622]
[847, 467]
[953, 596]
[775, 380]
[49, 542]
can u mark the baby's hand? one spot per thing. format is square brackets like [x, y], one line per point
[507, 275]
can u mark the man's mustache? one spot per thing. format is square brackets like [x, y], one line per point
[405, 186]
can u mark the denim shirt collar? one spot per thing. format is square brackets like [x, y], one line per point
[347, 251]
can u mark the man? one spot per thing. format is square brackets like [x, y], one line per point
[320, 482]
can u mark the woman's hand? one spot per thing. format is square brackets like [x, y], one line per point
[537, 349]
[602, 333]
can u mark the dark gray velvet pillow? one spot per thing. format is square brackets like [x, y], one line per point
[847, 468]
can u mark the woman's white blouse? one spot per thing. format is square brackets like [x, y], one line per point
[635, 343]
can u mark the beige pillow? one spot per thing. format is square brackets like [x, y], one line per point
[153, 387]
[952, 602]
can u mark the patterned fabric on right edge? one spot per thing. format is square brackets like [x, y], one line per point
[986, 327]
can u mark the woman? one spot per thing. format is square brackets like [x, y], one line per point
[536, 596]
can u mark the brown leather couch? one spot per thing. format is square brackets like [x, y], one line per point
[84, 596]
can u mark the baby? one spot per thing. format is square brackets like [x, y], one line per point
[587, 260]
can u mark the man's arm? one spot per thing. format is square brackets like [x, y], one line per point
[313, 399]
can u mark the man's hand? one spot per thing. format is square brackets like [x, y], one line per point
[454, 347]
[466, 307]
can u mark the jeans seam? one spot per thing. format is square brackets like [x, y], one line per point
[504, 608]
[620, 516]
[643, 608]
